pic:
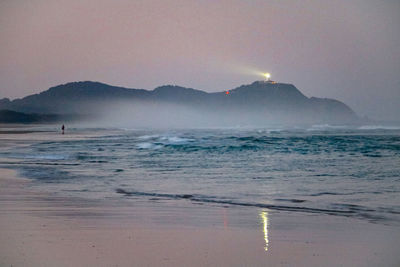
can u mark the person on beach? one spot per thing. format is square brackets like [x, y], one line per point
[62, 128]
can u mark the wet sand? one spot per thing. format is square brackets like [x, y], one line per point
[43, 229]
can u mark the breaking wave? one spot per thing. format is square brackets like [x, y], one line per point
[378, 127]
[348, 210]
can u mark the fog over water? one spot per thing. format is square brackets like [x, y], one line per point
[347, 50]
[145, 115]
[163, 116]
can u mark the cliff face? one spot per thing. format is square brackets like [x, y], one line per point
[261, 100]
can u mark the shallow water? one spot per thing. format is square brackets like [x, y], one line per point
[341, 171]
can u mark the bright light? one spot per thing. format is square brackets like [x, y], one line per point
[267, 75]
[264, 217]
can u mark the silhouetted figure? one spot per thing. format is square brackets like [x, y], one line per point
[62, 128]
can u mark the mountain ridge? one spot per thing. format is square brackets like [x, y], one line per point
[258, 98]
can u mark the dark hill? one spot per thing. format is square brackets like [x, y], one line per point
[178, 94]
[9, 116]
[261, 99]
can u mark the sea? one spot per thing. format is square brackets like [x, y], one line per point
[351, 171]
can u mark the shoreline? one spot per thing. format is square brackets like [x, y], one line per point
[40, 229]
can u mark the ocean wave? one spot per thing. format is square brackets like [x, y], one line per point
[331, 193]
[146, 137]
[378, 127]
[147, 145]
[347, 210]
[322, 127]
[47, 174]
[295, 170]
[39, 156]
[271, 130]
[172, 140]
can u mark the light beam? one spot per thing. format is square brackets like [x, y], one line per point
[267, 75]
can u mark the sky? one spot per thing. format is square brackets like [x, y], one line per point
[343, 49]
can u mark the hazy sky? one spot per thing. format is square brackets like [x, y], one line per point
[343, 49]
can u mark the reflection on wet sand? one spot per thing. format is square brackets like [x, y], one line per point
[264, 217]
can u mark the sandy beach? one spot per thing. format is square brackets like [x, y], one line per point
[41, 229]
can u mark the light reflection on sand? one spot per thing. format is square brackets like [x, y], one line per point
[264, 217]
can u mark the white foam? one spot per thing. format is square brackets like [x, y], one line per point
[146, 137]
[48, 157]
[178, 140]
[147, 145]
[319, 127]
[378, 127]
[172, 140]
